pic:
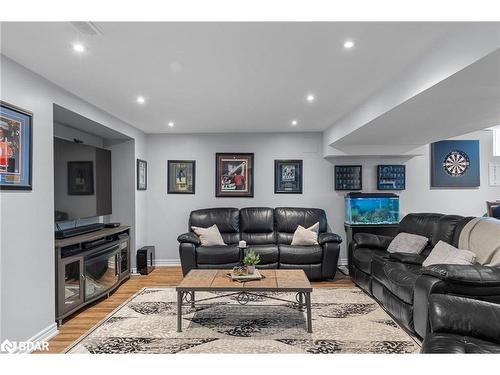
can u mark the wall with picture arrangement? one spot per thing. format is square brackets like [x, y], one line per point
[168, 213]
[27, 216]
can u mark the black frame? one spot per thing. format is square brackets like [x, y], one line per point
[140, 161]
[392, 166]
[170, 191]
[30, 177]
[277, 176]
[220, 194]
[337, 178]
[90, 166]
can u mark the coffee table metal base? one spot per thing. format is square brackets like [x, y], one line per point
[242, 297]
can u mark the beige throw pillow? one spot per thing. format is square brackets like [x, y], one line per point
[408, 243]
[306, 236]
[209, 236]
[444, 253]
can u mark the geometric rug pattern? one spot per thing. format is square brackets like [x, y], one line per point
[344, 321]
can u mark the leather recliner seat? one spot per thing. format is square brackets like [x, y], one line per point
[269, 233]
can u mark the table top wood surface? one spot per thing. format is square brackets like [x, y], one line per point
[218, 280]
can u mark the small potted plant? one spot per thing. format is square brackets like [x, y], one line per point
[250, 260]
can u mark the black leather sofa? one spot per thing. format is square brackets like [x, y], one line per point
[399, 282]
[269, 233]
[462, 325]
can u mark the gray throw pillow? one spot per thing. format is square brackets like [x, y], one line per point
[408, 243]
[444, 253]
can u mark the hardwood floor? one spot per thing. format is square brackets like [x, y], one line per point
[79, 323]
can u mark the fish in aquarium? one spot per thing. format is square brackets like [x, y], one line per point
[372, 208]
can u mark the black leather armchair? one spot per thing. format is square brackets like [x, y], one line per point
[269, 233]
[462, 325]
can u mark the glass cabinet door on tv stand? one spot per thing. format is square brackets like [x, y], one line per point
[70, 283]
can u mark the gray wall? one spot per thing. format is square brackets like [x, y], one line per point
[26, 217]
[168, 214]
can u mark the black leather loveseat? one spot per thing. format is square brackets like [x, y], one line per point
[400, 283]
[462, 325]
[269, 233]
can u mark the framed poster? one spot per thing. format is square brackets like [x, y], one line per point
[80, 178]
[16, 147]
[391, 177]
[181, 176]
[288, 176]
[455, 164]
[142, 174]
[234, 175]
[348, 177]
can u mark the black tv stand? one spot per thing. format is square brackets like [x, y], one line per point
[70, 232]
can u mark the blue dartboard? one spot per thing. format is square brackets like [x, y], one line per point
[456, 163]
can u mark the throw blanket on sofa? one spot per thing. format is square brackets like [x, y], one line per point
[482, 236]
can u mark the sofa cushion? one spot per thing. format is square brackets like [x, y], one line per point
[227, 220]
[268, 253]
[362, 258]
[446, 343]
[300, 254]
[398, 278]
[287, 219]
[217, 254]
[257, 225]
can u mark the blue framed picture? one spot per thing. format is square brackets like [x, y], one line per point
[391, 177]
[455, 164]
[15, 147]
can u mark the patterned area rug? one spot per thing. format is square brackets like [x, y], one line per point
[344, 321]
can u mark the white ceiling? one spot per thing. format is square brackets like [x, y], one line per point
[468, 100]
[224, 77]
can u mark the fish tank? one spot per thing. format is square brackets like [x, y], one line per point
[371, 208]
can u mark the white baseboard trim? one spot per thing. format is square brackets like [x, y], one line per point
[44, 335]
[177, 263]
[167, 262]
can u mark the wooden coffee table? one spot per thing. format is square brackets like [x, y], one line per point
[199, 280]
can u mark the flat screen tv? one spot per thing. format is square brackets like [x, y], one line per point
[82, 180]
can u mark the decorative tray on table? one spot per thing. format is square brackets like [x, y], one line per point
[241, 274]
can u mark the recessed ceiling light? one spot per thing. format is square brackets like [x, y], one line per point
[294, 122]
[141, 100]
[310, 98]
[78, 47]
[348, 44]
[170, 124]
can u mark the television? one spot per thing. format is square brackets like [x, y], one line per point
[82, 180]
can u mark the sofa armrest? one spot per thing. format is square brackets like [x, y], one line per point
[407, 258]
[189, 237]
[372, 240]
[471, 275]
[329, 237]
[464, 316]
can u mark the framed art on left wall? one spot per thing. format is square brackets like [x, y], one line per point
[142, 174]
[16, 147]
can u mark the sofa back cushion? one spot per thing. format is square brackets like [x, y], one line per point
[226, 219]
[257, 225]
[287, 219]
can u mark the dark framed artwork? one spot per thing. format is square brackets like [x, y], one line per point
[455, 164]
[288, 176]
[348, 177]
[142, 174]
[391, 177]
[80, 178]
[234, 175]
[181, 176]
[16, 147]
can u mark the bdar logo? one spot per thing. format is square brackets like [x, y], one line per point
[8, 347]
